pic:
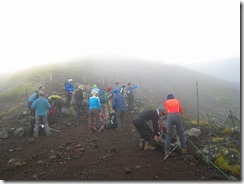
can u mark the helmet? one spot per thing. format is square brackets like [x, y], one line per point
[70, 80]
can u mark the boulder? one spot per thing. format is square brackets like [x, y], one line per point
[3, 133]
[19, 132]
[193, 132]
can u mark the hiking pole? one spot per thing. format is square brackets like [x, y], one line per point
[169, 153]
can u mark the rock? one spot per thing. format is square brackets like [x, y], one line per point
[193, 132]
[12, 163]
[11, 130]
[3, 133]
[127, 170]
[137, 167]
[82, 149]
[30, 140]
[24, 113]
[52, 157]
[19, 132]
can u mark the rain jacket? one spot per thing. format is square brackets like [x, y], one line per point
[94, 103]
[173, 106]
[41, 105]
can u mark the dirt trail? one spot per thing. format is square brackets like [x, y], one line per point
[75, 154]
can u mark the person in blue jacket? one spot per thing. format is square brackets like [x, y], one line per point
[41, 106]
[69, 89]
[119, 106]
[94, 110]
[30, 100]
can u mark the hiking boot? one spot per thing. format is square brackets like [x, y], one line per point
[142, 143]
[148, 147]
[183, 151]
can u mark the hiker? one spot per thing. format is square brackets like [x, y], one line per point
[69, 89]
[130, 96]
[174, 118]
[135, 86]
[56, 102]
[118, 104]
[31, 99]
[146, 134]
[78, 97]
[117, 86]
[110, 96]
[104, 98]
[41, 105]
[94, 110]
[95, 89]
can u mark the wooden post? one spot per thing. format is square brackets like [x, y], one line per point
[197, 104]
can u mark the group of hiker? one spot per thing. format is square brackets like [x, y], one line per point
[96, 104]
[100, 104]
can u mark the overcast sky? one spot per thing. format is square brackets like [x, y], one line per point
[45, 31]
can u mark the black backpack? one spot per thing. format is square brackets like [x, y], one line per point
[102, 96]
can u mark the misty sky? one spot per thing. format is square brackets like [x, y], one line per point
[37, 32]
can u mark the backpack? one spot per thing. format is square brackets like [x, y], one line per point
[102, 96]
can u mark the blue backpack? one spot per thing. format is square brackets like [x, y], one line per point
[102, 96]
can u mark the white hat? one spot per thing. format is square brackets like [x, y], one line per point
[70, 80]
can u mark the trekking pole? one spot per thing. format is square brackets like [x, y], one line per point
[169, 153]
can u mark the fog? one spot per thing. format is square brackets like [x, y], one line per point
[172, 32]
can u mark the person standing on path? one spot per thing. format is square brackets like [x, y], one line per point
[41, 106]
[174, 118]
[118, 104]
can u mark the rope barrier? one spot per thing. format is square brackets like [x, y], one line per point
[208, 159]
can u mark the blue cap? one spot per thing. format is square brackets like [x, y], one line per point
[170, 96]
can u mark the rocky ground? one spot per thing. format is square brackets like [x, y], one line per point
[71, 153]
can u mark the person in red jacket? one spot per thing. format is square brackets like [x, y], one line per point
[174, 118]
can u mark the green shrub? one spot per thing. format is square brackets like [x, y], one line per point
[218, 139]
[227, 131]
[222, 163]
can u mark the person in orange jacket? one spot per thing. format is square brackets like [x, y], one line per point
[174, 118]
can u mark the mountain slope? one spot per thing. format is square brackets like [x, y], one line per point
[216, 97]
[228, 69]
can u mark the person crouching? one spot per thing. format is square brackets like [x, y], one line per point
[140, 122]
